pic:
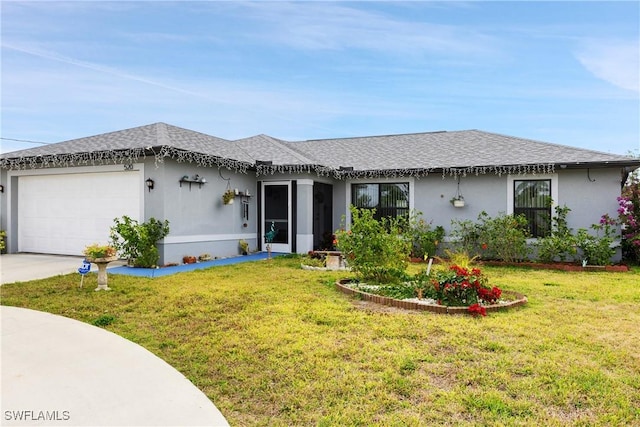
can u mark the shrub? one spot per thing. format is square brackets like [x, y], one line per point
[3, 236]
[375, 250]
[466, 237]
[599, 249]
[424, 238]
[560, 245]
[504, 237]
[137, 242]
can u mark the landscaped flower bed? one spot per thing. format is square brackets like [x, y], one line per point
[511, 300]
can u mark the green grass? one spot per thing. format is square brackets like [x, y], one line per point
[272, 344]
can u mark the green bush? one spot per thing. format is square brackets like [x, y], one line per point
[598, 249]
[560, 245]
[376, 251]
[563, 245]
[424, 238]
[137, 242]
[503, 237]
[465, 237]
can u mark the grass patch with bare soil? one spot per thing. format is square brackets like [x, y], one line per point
[272, 344]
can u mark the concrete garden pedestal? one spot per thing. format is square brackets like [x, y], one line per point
[102, 271]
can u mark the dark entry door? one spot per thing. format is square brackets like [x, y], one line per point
[276, 211]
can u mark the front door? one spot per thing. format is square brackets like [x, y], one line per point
[276, 211]
[322, 216]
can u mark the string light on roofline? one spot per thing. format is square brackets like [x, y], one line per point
[185, 156]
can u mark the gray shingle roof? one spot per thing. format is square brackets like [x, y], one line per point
[435, 150]
[426, 152]
[154, 135]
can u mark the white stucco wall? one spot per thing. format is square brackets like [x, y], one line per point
[199, 222]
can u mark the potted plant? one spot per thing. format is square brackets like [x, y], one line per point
[204, 257]
[228, 197]
[101, 255]
[189, 259]
[457, 202]
[244, 247]
[96, 252]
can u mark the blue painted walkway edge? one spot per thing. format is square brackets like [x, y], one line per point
[167, 271]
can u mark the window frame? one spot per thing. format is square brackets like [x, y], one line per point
[349, 191]
[511, 180]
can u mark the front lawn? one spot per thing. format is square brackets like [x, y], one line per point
[272, 344]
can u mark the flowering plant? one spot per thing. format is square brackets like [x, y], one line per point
[459, 286]
[95, 251]
[629, 217]
[477, 310]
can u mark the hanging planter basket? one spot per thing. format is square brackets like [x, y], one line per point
[458, 202]
[228, 197]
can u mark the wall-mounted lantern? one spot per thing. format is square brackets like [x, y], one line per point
[150, 183]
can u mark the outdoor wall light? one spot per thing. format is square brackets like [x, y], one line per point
[150, 184]
[1, 188]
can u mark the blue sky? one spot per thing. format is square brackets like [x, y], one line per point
[562, 72]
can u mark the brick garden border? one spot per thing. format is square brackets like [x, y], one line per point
[434, 308]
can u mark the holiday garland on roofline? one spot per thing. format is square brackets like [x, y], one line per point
[131, 155]
[127, 156]
[409, 172]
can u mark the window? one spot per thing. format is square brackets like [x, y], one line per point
[532, 198]
[389, 200]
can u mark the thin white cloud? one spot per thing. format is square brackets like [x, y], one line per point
[92, 66]
[334, 26]
[617, 62]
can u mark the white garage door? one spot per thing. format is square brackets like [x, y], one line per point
[61, 214]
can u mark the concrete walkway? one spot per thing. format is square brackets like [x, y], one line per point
[57, 371]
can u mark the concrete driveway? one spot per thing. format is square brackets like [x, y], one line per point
[25, 267]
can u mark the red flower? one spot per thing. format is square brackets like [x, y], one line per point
[460, 271]
[477, 310]
[485, 246]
